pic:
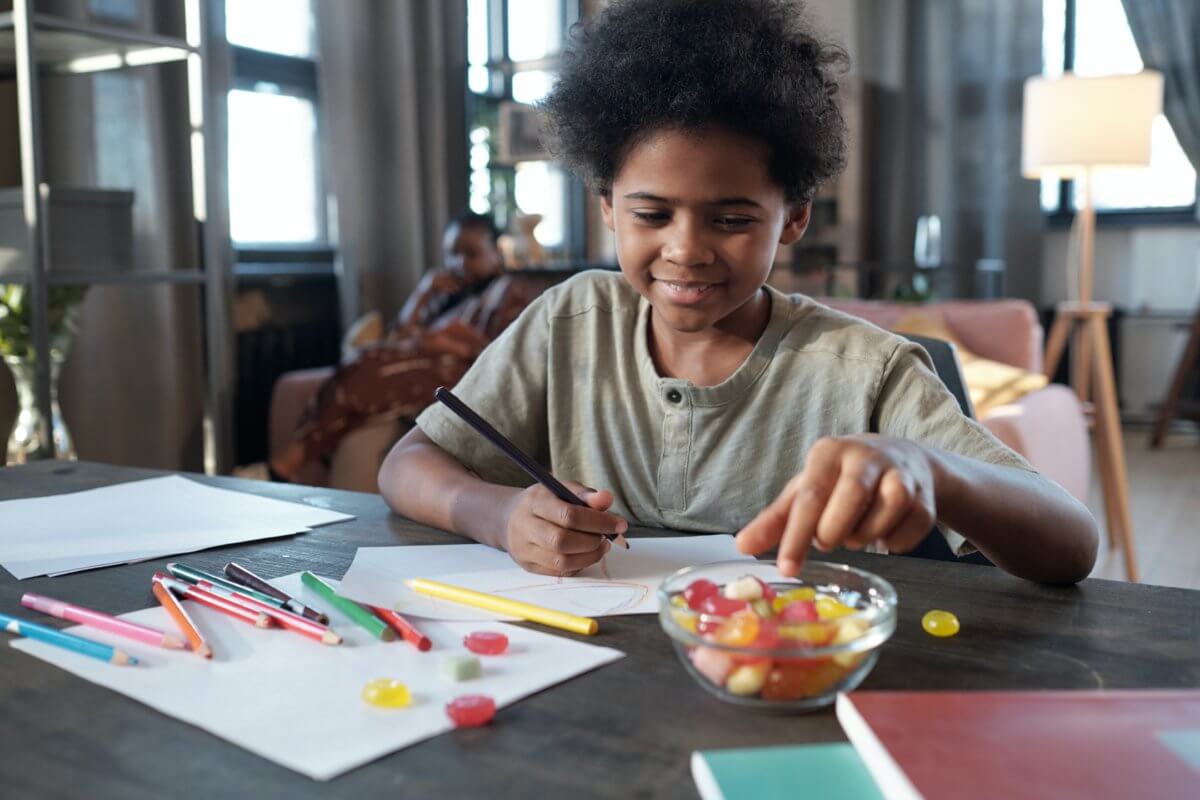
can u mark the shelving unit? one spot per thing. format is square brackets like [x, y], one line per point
[33, 45]
[836, 237]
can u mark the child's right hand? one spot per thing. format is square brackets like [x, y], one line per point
[552, 537]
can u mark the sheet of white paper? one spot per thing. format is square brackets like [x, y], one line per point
[378, 573]
[142, 519]
[298, 703]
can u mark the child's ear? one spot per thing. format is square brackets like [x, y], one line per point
[796, 223]
[607, 210]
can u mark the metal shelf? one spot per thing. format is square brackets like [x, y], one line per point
[66, 46]
[34, 45]
[107, 278]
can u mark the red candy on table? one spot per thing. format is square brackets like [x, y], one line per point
[698, 591]
[486, 643]
[720, 606]
[471, 710]
[799, 611]
[768, 593]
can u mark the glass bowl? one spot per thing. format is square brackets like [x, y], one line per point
[779, 661]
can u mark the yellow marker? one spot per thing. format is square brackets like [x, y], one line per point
[502, 605]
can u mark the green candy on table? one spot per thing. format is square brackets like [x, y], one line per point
[461, 667]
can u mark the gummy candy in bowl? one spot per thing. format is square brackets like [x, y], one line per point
[759, 640]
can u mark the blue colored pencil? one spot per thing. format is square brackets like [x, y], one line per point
[66, 641]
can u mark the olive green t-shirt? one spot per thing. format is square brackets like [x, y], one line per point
[572, 383]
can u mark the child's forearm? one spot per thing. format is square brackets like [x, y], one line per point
[1023, 522]
[421, 481]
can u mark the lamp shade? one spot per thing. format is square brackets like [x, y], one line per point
[1072, 124]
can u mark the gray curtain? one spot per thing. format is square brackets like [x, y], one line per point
[1167, 33]
[393, 90]
[132, 389]
[944, 81]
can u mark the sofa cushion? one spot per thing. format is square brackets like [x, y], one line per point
[991, 384]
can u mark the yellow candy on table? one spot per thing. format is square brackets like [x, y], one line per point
[762, 608]
[940, 623]
[814, 634]
[748, 679]
[685, 619]
[793, 595]
[828, 608]
[386, 693]
[679, 601]
[849, 630]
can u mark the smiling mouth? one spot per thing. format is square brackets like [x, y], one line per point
[687, 291]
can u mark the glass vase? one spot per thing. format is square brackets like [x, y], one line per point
[25, 442]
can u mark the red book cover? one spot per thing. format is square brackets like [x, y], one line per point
[1047, 744]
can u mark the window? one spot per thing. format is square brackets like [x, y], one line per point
[276, 191]
[1092, 37]
[512, 47]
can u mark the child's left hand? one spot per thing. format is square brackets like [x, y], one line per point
[852, 490]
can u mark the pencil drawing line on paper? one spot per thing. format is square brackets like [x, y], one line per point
[636, 593]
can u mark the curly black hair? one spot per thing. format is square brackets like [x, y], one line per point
[751, 66]
[482, 222]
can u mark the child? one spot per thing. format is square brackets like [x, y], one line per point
[688, 393]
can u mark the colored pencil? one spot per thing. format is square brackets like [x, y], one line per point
[282, 617]
[515, 454]
[239, 574]
[192, 575]
[360, 615]
[406, 629]
[503, 605]
[67, 641]
[178, 613]
[100, 621]
[185, 590]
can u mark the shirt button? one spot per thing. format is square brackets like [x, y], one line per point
[674, 396]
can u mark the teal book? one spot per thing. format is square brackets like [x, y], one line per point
[793, 772]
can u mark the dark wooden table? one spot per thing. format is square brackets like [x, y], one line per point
[624, 730]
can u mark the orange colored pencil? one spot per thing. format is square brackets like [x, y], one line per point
[402, 626]
[178, 613]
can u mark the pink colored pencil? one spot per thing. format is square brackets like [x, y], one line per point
[214, 601]
[282, 617]
[402, 626]
[101, 621]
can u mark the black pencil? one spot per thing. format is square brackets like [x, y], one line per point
[531, 467]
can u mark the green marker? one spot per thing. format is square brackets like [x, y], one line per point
[192, 575]
[374, 625]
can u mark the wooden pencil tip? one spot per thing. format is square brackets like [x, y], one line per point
[263, 621]
[388, 635]
[329, 637]
[123, 659]
[171, 643]
[205, 651]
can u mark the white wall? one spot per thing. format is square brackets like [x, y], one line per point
[1139, 268]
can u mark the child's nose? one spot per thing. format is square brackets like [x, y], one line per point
[686, 246]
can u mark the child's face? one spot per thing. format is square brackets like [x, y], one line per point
[697, 220]
[471, 250]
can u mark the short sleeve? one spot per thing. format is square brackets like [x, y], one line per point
[507, 387]
[914, 404]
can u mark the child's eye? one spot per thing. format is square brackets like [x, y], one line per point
[733, 222]
[651, 216]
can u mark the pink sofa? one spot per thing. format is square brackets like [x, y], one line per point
[1047, 426]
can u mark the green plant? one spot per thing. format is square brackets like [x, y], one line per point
[16, 319]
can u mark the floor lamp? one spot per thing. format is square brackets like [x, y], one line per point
[1073, 127]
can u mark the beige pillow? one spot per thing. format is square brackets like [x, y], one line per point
[367, 329]
[989, 383]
